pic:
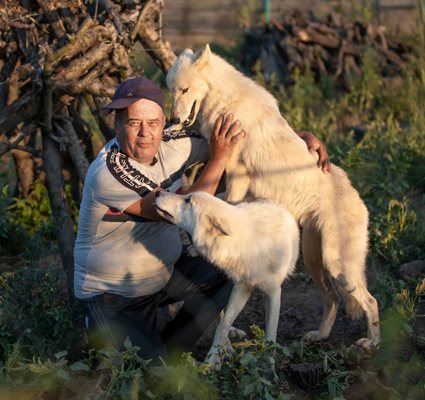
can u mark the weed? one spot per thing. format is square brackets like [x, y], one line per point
[248, 373]
[399, 362]
[35, 310]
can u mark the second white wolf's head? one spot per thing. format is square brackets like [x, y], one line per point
[198, 211]
[188, 86]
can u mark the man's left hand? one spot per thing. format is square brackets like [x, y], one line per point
[315, 145]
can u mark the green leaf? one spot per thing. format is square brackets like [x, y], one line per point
[61, 354]
[127, 343]
[247, 358]
[80, 366]
[61, 373]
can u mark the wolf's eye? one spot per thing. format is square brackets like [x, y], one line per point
[185, 90]
[187, 200]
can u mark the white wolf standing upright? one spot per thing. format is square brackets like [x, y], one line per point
[272, 162]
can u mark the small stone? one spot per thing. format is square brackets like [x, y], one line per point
[412, 270]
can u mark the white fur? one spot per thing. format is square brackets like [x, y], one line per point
[272, 162]
[255, 243]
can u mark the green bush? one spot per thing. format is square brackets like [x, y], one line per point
[36, 312]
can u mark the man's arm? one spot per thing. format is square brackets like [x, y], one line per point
[315, 145]
[226, 135]
[145, 207]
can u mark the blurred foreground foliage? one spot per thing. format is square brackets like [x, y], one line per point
[376, 133]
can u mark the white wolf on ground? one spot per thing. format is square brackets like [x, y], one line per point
[255, 243]
[272, 162]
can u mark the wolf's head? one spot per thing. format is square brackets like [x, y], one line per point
[188, 87]
[198, 213]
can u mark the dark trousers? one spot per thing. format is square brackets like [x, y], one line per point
[203, 288]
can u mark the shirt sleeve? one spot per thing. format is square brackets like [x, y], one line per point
[199, 151]
[109, 192]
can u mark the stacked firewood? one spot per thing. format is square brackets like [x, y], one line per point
[70, 48]
[55, 58]
[333, 48]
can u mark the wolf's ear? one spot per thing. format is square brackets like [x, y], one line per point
[219, 226]
[202, 56]
[186, 53]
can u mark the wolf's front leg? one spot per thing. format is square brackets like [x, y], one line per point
[273, 298]
[237, 181]
[240, 295]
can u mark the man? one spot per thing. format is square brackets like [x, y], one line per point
[128, 261]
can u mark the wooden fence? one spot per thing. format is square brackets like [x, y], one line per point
[192, 23]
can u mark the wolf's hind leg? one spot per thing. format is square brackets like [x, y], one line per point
[344, 255]
[370, 306]
[312, 256]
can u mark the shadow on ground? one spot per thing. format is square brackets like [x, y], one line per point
[301, 311]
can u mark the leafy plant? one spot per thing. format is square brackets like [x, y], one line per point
[31, 212]
[249, 373]
[400, 364]
[35, 310]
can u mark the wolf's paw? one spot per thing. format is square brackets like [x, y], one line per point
[313, 336]
[217, 354]
[213, 359]
[236, 334]
[366, 344]
[226, 348]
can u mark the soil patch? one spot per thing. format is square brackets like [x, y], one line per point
[301, 311]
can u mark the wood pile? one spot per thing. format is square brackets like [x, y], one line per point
[73, 48]
[330, 48]
[56, 57]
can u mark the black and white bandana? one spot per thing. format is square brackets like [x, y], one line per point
[121, 169]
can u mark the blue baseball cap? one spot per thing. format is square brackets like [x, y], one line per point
[132, 90]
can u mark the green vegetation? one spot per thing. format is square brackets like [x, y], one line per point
[42, 345]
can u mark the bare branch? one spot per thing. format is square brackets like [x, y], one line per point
[70, 139]
[78, 67]
[89, 83]
[54, 183]
[23, 109]
[148, 33]
[112, 10]
[89, 34]
[49, 8]
[5, 147]
[106, 123]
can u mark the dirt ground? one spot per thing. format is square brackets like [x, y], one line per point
[301, 311]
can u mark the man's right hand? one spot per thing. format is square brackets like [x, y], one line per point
[226, 134]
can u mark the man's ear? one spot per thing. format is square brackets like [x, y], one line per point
[219, 226]
[202, 56]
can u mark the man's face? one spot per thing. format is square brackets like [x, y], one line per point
[139, 130]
